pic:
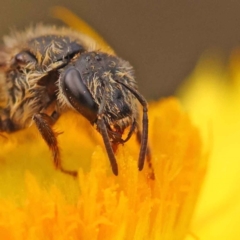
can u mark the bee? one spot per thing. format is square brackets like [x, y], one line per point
[46, 70]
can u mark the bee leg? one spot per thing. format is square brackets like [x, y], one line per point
[118, 137]
[148, 156]
[43, 123]
[131, 131]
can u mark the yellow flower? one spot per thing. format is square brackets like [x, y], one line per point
[212, 96]
[37, 201]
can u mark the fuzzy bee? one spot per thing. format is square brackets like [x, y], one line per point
[46, 70]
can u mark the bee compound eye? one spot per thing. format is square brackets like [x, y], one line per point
[74, 85]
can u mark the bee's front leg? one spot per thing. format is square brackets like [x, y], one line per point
[43, 123]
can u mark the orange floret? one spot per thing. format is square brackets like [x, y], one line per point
[39, 202]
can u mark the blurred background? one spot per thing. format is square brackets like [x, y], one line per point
[163, 40]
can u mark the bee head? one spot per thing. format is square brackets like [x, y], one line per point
[89, 78]
[102, 87]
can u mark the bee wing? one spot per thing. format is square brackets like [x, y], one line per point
[80, 25]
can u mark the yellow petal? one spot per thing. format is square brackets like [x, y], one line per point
[211, 95]
[37, 201]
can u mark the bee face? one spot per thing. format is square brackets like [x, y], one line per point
[45, 73]
[95, 76]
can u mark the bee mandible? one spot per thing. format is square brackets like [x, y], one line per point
[45, 71]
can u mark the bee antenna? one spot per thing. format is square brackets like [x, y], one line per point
[103, 130]
[144, 139]
[102, 127]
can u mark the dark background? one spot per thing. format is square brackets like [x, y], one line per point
[163, 40]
